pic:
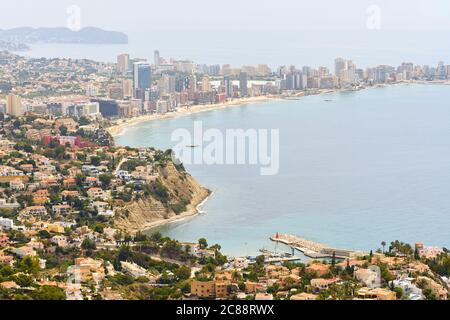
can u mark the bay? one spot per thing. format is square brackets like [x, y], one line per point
[365, 167]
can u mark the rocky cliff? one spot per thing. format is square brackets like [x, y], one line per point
[174, 195]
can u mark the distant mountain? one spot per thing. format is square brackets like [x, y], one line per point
[13, 46]
[89, 35]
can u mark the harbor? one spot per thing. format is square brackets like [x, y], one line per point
[278, 257]
[313, 249]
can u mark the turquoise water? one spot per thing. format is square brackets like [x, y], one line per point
[370, 166]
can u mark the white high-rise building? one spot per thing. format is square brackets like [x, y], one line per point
[123, 63]
[14, 105]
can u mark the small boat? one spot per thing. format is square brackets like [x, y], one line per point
[328, 100]
[192, 146]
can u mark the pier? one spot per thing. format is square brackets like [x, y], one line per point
[313, 249]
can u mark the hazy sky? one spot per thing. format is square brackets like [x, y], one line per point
[183, 15]
[254, 31]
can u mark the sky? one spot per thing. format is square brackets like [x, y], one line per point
[263, 31]
[280, 15]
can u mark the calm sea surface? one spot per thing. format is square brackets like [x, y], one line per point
[368, 166]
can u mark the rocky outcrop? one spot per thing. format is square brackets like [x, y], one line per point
[182, 195]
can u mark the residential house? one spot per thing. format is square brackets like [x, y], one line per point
[134, 270]
[319, 269]
[6, 223]
[6, 259]
[369, 277]
[24, 252]
[7, 205]
[263, 297]
[61, 209]
[203, 289]
[274, 271]
[376, 294]
[409, 288]
[304, 296]
[17, 185]
[69, 194]
[91, 182]
[4, 240]
[36, 210]
[96, 193]
[60, 241]
[323, 284]
[70, 183]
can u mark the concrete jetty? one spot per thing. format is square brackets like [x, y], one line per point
[313, 249]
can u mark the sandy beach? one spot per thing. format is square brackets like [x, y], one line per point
[120, 125]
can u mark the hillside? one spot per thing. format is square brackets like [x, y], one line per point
[175, 195]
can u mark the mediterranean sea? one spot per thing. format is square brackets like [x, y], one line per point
[356, 169]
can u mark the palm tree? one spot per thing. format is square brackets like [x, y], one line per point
[383, 244]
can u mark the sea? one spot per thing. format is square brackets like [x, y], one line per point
[356, 169]
[312, 47]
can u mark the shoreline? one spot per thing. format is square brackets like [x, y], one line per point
[119, 127]
[194, 209]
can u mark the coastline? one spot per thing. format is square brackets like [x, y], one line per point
[194, 208]
[121, 125]
[118, 128]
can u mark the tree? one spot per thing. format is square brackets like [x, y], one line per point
[95, 161]
[416, 254]
[23, 280]
[63, 130]
[140, 237]
[105, 179]
[183, 273]
[122, 279]
[29, 265]
[203, 243]
[49, 293]
[156, 237]
[333, 260]
[88, 244]
[44, 234]
[383, 244]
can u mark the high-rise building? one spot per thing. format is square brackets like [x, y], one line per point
[214, 70]
[226, 70]
[127, 86]
[157, 58]
[192, 83]
[142, 77]
[123, 63]
[115, 92]
[206, 85]
[14, 105]
[167, 84]
[441, 71]
[339, 66]
[345, 70]
[108, 108]
[228, 84]
[243, 84]
[91, 90]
